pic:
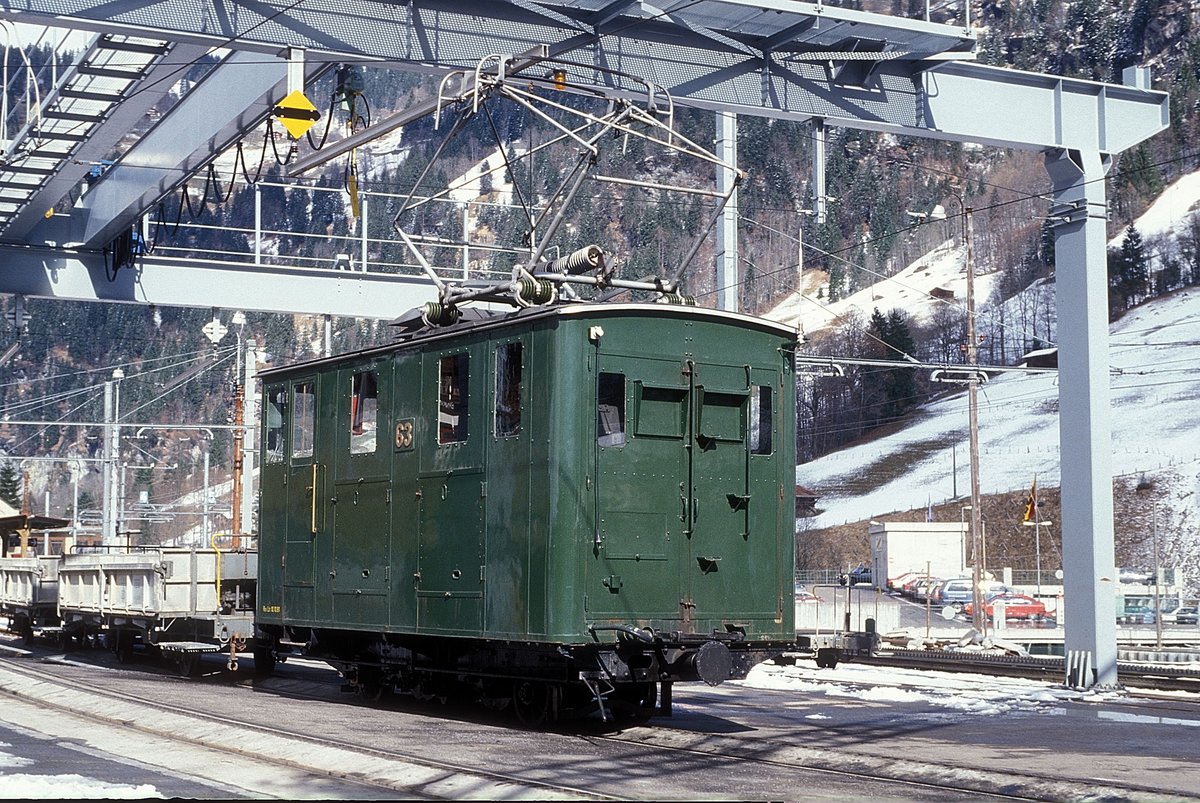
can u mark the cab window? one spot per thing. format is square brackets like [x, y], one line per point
[273, 417]
[610, 410]
[508, 390]
[364, 408]
[304, 417]
[453, 370]
[760, 419]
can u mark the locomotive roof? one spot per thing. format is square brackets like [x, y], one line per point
[482, 320]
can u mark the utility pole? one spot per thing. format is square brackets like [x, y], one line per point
[978, 615]
[250, 417]
[109, 535]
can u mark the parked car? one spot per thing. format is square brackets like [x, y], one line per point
[897, 583]
[1169, 610]
[1186, 616]
[1016, 606]
[1136, 576]
[958, 592]
[860, 574]
[924, 588]
[1136, 615]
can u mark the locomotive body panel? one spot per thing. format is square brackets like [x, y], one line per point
[501, 491]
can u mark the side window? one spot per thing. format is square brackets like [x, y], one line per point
[610, 410]
[304, 417]
[760, 419]
[273, 417]
[364, 408]
[452, 398]
[508, 390]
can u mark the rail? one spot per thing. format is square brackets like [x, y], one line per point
[1133, 674]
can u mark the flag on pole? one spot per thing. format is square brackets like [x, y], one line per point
[1031, 505]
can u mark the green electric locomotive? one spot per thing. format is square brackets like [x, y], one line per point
[566, 507]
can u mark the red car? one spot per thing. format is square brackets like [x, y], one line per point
[1016, 606]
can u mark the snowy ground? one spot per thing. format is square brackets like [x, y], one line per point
[970, 694]
[909, 289]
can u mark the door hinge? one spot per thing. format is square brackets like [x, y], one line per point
[483, 489]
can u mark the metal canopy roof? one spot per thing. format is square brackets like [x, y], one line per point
[774, 58]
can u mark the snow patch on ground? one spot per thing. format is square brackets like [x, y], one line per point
[967, 693]
[67, 787]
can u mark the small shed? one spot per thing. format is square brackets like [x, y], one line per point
[1040, 358]
[806, 502]
[16, 530]
[917, 546]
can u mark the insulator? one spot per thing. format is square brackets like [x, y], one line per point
[535, 292]
[679, 298]
[585, 259]
[436, 313]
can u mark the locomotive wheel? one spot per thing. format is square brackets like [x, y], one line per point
[531, 702]
[264, 661]
[370, 685]
[635, 701]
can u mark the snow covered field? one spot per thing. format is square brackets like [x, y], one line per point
[1154, 352]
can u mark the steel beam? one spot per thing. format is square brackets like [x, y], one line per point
[84, 276]
[1085, 426]
[775, 64]
[233, 97]
[104, 136]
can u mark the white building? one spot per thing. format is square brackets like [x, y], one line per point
[897, 548]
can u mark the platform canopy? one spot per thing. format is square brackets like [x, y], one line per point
[775, 58]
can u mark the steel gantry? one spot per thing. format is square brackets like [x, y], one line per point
[775, 58]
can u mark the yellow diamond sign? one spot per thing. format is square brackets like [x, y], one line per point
[297, 113]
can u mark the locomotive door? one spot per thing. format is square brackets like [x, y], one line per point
[642, 483]
[305, 514]
[360, 563]
[729, 420]
[452, 490]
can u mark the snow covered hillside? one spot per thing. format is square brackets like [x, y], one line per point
[1155, 393]
[1154, 355]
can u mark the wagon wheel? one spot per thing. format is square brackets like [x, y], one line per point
[120, 643]
[189, 662]
[531, 701]
[25, 629]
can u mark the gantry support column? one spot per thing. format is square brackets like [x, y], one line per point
[1085, 427]
[727, 244]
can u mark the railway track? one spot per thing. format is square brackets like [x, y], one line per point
[756, 753]
[355, 762]
[1134, 676]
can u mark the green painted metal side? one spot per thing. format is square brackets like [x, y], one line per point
[680, 529]
[540, 533]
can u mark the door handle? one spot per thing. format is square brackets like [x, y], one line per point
[313, 511]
